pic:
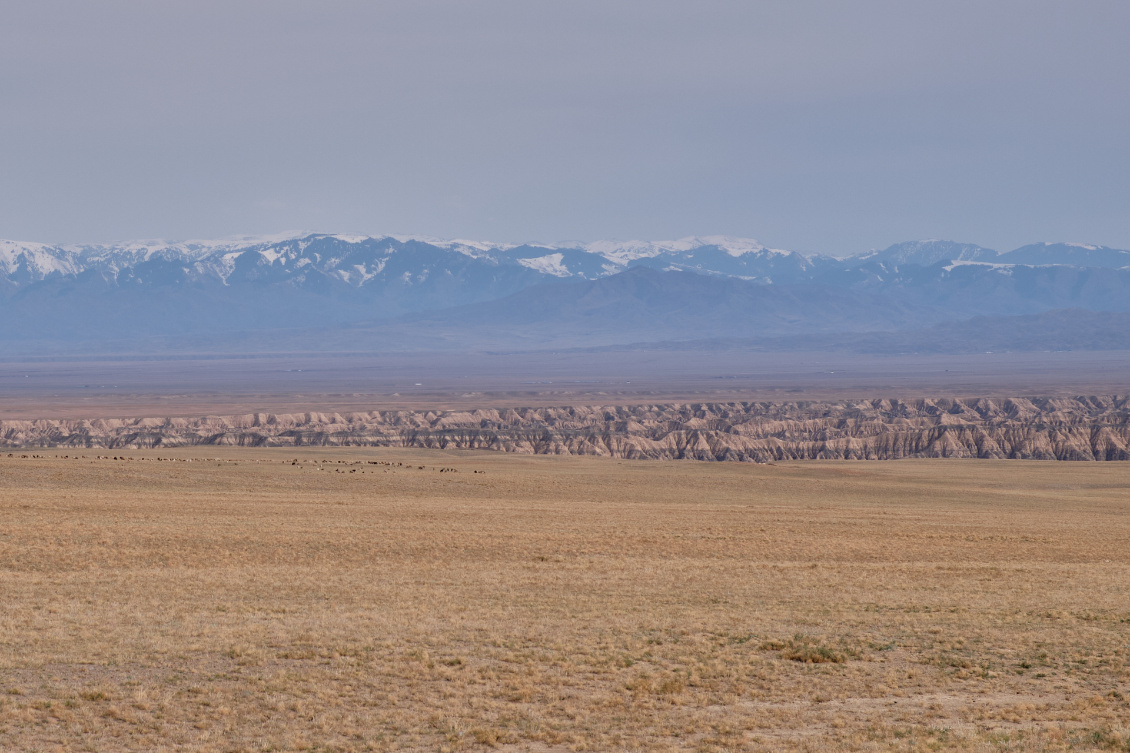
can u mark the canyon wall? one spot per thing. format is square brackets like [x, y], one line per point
[1081, 428]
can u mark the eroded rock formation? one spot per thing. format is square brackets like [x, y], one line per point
[1081, 428]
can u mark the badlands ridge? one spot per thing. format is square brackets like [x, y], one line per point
[1080, 428]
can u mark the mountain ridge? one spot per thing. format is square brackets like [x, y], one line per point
[697, 252]
[472, 292]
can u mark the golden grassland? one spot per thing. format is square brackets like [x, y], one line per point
[350, 600]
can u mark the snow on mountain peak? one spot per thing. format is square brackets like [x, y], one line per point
[627, 251]
[350, 237]
[549, 264]
[41, 258]
[474, 249]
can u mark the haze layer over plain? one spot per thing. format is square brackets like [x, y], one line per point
[150, 387]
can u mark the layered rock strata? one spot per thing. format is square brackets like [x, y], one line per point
[1081, 428]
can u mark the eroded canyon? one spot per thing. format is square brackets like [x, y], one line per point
[1052, 428]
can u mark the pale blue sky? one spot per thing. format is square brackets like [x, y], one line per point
[816, 126]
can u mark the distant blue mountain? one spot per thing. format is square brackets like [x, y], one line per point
[1073, 254]
[928, 253]
[686, 288]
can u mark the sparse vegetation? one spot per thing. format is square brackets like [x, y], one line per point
[804, 648]
[249, 602]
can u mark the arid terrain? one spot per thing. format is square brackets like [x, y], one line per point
[1039, 428]
[337, 599]
[218, 384]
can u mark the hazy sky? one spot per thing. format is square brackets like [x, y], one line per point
[818, 126]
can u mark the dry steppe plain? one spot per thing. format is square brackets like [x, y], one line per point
[339, 599]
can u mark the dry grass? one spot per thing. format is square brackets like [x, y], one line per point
[254, 604]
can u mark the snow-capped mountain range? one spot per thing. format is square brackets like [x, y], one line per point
[357, 259]
[739, 286]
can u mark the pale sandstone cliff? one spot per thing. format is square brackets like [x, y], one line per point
[1082, 428]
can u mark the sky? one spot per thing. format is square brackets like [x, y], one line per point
[825, 127]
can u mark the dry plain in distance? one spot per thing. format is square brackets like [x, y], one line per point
[375, 599]
[136, 386]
